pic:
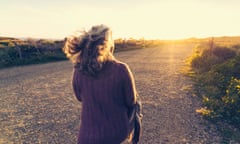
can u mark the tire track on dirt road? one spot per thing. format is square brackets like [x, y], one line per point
[38, 106]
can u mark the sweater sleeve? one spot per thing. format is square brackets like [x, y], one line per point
[129, 88]
[75, 84]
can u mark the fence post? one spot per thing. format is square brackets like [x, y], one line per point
[18, 49]
[211, 44]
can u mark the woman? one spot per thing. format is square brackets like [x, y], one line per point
[104, 85]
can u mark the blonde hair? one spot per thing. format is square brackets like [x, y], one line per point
[89, 50]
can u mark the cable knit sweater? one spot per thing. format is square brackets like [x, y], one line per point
[106, 101]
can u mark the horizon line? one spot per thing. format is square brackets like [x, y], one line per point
[145, 38]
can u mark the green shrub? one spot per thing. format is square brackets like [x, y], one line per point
[224, 53]
[218, 80]
[10, 57]
[229, 68]
[206, 59]
[7, 56]
[231, 101]
[204, 62]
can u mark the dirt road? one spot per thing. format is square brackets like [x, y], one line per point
[37, 104]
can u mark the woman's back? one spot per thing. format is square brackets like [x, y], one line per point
[106, 100]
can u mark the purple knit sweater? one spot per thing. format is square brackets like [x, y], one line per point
[106, 101]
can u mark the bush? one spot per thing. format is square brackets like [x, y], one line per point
[205, 60]
[224, 53]
[229, 68]
[30, 55]
[7, 56]
[218, 80]
[231, 101]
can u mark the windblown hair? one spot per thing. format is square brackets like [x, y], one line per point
[90, 50]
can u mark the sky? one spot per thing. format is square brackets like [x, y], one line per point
[149, 19]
